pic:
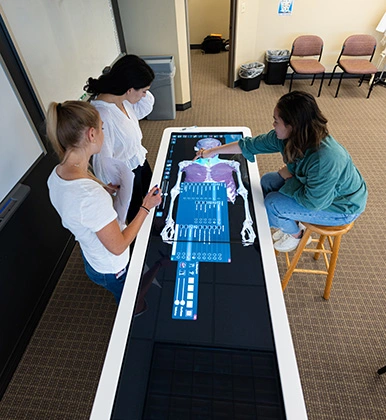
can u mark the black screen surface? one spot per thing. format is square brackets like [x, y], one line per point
[215, 359]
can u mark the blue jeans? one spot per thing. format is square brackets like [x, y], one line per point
[108, 281]
[284, 212]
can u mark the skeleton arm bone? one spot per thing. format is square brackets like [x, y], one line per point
[247, 233]
[167, 233]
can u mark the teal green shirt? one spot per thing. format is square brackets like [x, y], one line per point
[324, 179]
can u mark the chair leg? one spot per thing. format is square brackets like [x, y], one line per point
[332, 75]
[371, 87]
[361, 80]
[295, 259]
[313, 80]
[285, 74]
[340, 81]
[331, 270]
[292, 77]
[321, 84]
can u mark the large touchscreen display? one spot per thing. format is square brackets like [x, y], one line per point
[199, 205]
[201, 315]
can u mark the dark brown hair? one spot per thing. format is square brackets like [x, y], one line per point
[130, 71]
[309, 125]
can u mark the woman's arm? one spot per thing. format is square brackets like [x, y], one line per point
[230, 148]
[117, 241]
[248, 146]
[107, 150]
[144, 106]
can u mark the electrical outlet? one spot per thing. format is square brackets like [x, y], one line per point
[242, 8]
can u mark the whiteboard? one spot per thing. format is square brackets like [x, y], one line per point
[62, 43]
[20, 145]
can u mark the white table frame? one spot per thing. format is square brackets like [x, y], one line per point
[289, 375]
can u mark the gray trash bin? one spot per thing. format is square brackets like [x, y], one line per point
[277, 64]
[162, 87]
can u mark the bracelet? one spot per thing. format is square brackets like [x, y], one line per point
[146, 209]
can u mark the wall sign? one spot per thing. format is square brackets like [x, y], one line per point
[285, 7]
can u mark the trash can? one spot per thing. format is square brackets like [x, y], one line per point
[162, 87]
[277, 64]
[250, 75]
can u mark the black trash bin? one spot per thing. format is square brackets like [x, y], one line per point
[250, 75]
[277, 64]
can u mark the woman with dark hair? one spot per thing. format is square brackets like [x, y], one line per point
[318, 183]
[122, 97]
[85, 207]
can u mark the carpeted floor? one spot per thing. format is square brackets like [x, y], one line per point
[339, 343]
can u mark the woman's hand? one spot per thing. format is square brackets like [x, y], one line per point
[284, 172]
[112, 189]
[153, 198]
[205, 153]
[116, 241]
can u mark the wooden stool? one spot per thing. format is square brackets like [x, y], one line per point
[324, 232]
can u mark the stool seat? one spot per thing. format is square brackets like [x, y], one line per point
[329, 230]
[333, 234]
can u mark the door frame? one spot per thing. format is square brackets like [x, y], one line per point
[232, 39]
[232, 42]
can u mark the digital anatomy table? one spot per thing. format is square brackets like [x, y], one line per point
[214, 341]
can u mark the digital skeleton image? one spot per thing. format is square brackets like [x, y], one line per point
[201, 229]
[212, 171]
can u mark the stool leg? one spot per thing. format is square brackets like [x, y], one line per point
[298, 253]
[319, 246]
[331, 270]
[381, 370]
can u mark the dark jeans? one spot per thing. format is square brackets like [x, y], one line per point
[142, 178]
[108, 281]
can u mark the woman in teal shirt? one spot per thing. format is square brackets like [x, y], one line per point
[318, 182]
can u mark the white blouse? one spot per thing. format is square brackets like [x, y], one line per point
[122, 135]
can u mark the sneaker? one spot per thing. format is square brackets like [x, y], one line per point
[277, 235]
[288, 243]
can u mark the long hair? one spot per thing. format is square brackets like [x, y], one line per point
[67, 123]
[309, 125]
[130, 71]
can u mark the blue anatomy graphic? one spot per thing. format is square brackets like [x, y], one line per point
[201, 230]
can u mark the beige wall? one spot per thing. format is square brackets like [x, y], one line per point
[260, 28]
[151, 27]
[160, 28]
[206, 17]
[59, 45]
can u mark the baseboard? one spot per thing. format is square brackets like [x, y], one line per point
[327, 77]
[183, 107]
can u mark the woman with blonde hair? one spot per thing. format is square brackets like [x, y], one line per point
[85, 207]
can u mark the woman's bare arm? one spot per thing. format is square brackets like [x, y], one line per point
[117, 241]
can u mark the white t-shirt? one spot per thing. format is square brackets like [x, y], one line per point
[85, 207]
[122, 135]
